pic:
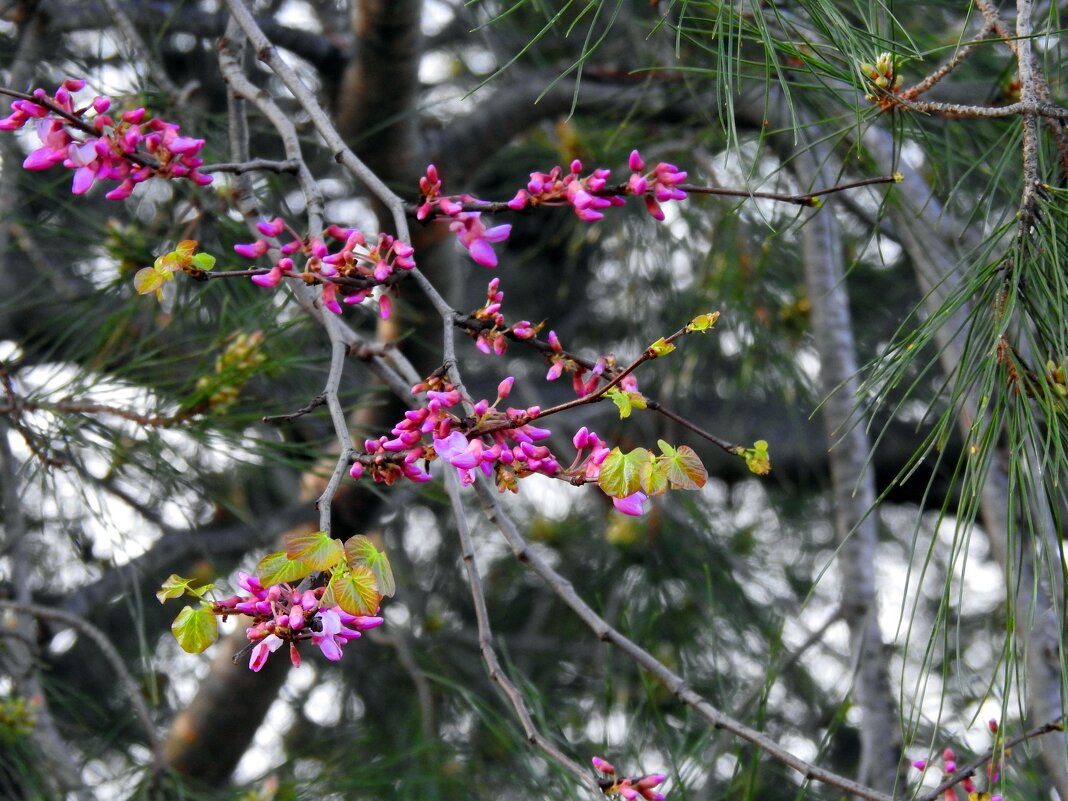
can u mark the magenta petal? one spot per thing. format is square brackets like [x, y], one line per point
[631, 505]
[498, 233]
[42, 159]
[482, 253]
[331, 650]
[83, 179]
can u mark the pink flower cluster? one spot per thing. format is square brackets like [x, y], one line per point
[282, 613]
[631, 787]
[590, 195]
[508, 451]
[467, 225]
[129, 150]
[495, 339]
[370, 265]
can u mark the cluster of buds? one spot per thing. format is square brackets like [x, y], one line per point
[351, 273]
[590, 195]
[630, 788]
[283, 613]
[883, 75]
[130, 150]
[499, 444]
[967, 783]
[494, 338]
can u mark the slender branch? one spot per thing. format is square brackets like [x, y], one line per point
[315, 403]
[252, 165]
[485, 642]
[671, 680]
[621, 190]
[959, 57]
[338, 352]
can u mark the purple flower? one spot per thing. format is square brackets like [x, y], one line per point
[474, 236]
[631, 505]
[264, 648]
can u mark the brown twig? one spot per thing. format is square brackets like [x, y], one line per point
[315, 403]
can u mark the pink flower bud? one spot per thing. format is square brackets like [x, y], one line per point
[603, 765]
[920, 764]
[504, 388]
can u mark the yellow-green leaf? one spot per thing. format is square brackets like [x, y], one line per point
[620, 474]
[277, 567]
[147, 280]
[359, 550]
[703, 322]
[195, 629]
[318, 550]
[654, 477]
[662, 347]
[174, 587]
[354, 589]
[684, 467]
[204, 261]
[621, 400]
[756, 458]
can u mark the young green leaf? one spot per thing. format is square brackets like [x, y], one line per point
[354, 589]
[756, 458]
[359, 550]
[703, 322]
[203, 261]
[148, 280]
[684, 467]
[277, 567]
[621, 400]
[661, 347]
[621, 473]
[195, 629]
[175, 587]
[654, 477]
[318, 550]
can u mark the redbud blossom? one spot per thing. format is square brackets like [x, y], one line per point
[603, 765]
[631, 505]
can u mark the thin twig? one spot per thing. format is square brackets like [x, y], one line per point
[315, 403]
[252, 165]
[672, 681]
[485, 642]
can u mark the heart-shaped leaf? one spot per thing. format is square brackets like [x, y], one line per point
[277, 567]
[620, 474]
[359, 550]
[354, 589]
[195, 629]
[318, 550]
